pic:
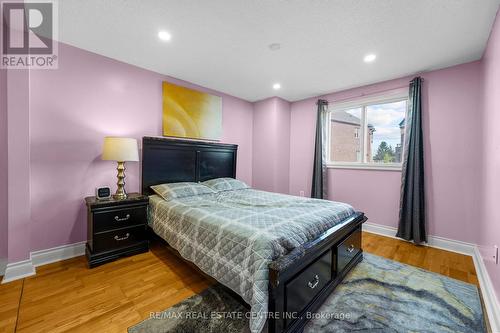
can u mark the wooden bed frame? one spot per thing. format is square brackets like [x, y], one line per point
[298, 282]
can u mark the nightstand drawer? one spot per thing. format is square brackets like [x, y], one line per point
[115, 239]
[120, 218]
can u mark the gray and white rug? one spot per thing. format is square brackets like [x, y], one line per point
[379, 295]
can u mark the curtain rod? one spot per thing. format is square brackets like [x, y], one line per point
[369, 94]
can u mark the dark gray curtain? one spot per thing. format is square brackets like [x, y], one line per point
[319, 181]
[412, 202]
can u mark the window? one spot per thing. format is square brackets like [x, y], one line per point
[368, 133]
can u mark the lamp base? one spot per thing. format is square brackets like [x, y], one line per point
[120, 194]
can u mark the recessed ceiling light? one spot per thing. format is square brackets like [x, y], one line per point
[274, 46]
[276, 86]
[370, 57]
[164, 35]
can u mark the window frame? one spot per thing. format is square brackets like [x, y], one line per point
[363, 103]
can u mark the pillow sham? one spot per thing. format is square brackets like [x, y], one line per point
[172, 191]
[225, 184]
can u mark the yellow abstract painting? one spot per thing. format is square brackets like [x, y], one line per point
[189, 113]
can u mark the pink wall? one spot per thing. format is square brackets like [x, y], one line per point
[263, 175]
[72, 109]
[3, 164]
[282, 166]
[271, 145]
[374, 192]
[451, 123]
[18, 201]
[489, 223]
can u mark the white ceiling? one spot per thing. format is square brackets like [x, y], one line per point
[223, 44]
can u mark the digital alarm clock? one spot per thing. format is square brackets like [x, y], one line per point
[103, 193]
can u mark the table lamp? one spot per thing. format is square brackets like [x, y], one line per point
[120, 150]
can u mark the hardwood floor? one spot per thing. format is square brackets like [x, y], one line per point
[451, 264]
[68, 297]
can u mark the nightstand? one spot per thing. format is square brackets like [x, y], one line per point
[116, 228]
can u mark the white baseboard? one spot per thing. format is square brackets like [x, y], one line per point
[486, 287]
[490, 300]
[3, 266]
[18, 270]
[451, 245]
[44, 257]
[380, 229]
[25, 268]
[432, 241]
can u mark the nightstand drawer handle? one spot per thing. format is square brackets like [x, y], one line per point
[313, 284]
[120, 219]
[127, 235]
[350, 248]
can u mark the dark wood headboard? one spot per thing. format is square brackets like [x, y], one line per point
[172, 161]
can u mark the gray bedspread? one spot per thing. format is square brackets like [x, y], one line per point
[234, 235]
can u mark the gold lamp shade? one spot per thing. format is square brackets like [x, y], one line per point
[121, 150]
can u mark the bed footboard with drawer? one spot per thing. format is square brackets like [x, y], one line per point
[301, 281]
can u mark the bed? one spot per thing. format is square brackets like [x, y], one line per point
[282, 254]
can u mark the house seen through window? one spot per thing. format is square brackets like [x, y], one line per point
[367, 134]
